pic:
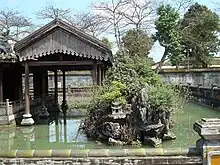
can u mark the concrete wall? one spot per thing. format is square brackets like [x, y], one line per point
[171, 160]
[138, 156]
[201, 77]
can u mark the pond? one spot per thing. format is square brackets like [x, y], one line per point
[57, 135]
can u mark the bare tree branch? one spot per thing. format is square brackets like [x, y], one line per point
[140, 15]
[90, 23]
[52, 12]
[11, 20]
[180, 5]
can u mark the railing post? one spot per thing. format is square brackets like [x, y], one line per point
[9, 114]
[7, 110]
[199, 93]
[7, 107]
[214, 86]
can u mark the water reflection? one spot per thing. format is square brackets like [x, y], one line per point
[50, 133]
[65, 133]
[53, 133]
[7, 138]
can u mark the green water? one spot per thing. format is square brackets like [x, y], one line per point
[56, 135]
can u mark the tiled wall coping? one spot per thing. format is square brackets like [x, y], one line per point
[82, 153]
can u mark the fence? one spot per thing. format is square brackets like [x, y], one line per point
[207, 95]
[19, 105]
[6, 108]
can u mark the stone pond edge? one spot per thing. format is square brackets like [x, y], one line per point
[82, 153]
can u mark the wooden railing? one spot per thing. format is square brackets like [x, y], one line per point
[70, 91]
[3, 108]
[6, 108]
[19, 105]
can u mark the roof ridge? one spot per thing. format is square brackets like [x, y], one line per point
[54, 23]
[83, 32]
[17, 44]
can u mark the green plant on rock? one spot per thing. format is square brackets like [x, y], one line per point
[106, 94]
[134, 72]
[167, 98]
[125, 80]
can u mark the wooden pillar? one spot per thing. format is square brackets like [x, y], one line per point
[17, 86]
[55, 87]
[103, 74]
[94, 73]
[27, 117]
[46, 82]
[64, 103]
[100, 75]
[37, 82]
[43, 88]
[27, 95]
[20, 87]
[64, 87]
[1, 85]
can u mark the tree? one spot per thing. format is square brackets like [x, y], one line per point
[132, 81]
[167, 34]
[181, 6]
[137, 42]
[199, 28]
[121, 15]
[139, 14]
[217, 7]
[109, 13]
[14, 23]
[132, 66]
[52, 12]
[90, 23]
[87, 21]
[107, 42]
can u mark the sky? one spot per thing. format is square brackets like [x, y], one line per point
[30, 7]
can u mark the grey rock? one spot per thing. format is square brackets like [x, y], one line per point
[152, 141]
[114, 142]
[169, 136]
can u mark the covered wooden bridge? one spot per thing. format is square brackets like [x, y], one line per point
[56, 46]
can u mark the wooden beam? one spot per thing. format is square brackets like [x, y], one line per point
[61, 63]
[27, 95]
